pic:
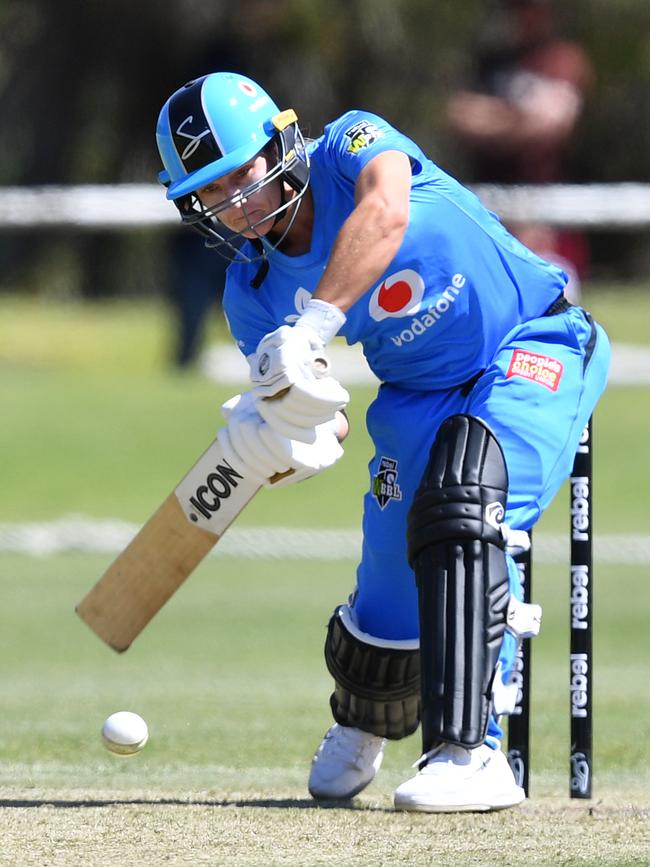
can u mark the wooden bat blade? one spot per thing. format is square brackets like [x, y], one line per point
[143, 577]
[166, 550]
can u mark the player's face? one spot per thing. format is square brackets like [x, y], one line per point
[243, 212]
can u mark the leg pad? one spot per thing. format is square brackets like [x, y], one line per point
[377, 682]
[456, 549]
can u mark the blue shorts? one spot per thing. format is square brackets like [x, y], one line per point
[537, 395]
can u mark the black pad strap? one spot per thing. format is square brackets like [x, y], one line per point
[377, 689]
[456, 551]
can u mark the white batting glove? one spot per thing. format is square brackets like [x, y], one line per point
[290, 373]
[295, 354]
[250, 445]
[297, 412]
[239, 404]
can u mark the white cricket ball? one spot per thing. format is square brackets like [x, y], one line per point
[125, 733]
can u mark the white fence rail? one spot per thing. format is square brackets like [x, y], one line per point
[618, 207]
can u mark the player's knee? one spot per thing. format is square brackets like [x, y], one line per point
[377, 682]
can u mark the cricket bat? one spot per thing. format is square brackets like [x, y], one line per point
[167, 549]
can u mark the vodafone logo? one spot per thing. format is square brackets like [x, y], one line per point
[399, 295]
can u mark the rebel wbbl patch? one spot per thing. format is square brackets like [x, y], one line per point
[361, 135]
[542, 369]
[384, 484]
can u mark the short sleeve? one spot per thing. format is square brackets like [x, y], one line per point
[356, 137]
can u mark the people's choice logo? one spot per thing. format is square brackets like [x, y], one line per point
[542, 369]
[399, 295]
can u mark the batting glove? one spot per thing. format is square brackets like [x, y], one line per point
[291, 370]
[252, 446]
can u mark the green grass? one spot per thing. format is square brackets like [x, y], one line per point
[241, 646]
[231, 681]
[230, 675]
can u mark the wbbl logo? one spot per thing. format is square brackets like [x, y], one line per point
[219, 484]
[384, 484]
[361, 135]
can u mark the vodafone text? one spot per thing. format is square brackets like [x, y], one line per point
[420, 324]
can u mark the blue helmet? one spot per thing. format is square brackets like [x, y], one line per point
[213, 125]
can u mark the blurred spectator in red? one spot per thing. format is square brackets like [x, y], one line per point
[518, 116]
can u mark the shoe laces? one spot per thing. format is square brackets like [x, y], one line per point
[454, 751]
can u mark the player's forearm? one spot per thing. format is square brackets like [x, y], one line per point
[366, 245]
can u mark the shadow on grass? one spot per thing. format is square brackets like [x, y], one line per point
[266, 803]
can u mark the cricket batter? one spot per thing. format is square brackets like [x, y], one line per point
[488, 376]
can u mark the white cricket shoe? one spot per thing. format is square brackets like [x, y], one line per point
[455, 779]
[345, 762]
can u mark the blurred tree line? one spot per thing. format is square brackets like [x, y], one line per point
[82, 81]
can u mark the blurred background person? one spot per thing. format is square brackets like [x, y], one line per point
[518, 115]
[195, 291]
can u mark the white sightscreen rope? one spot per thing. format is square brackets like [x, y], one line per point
[78, 533]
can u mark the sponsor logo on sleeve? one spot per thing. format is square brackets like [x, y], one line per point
[384, 485]
[541, 369]
[362, 134]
